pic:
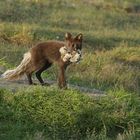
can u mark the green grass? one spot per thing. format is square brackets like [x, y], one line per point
[111, 62]
[117, 68]
[58, 114]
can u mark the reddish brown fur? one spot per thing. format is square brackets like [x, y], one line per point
[45, 54]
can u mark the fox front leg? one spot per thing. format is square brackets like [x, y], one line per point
[61, 79]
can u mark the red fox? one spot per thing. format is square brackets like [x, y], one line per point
[42, 56]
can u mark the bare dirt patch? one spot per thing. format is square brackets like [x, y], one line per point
[15, 85]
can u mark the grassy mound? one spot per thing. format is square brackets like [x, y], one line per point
[58, 114]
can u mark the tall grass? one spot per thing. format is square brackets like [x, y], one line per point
[115, 68]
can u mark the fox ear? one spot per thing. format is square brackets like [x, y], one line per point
[68, 36]
[79, 37]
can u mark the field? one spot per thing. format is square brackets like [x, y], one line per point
[111, 63]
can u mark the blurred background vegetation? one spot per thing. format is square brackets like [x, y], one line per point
[111, 36]
[111, 61]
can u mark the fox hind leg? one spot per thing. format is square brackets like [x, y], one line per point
[39, 72]
[29, 77]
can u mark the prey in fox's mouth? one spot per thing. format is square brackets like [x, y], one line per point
[74, 57]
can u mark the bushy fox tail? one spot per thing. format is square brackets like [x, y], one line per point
[20, 70]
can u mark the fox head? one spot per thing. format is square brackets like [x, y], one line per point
[72, 49]
[73, 44]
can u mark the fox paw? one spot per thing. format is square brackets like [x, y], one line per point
[45, 84]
